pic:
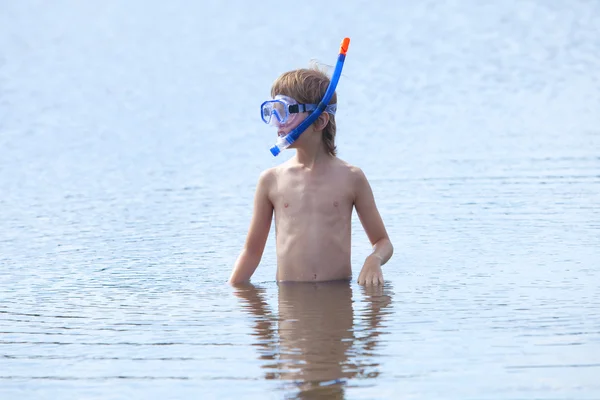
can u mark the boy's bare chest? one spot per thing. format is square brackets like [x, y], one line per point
[322, 195]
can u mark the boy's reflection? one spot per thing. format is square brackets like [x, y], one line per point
[315, 341]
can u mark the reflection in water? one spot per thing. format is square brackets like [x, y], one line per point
[316, 342]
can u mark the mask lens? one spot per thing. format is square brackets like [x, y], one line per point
[274, 108]
[266, 112]
[280, 111]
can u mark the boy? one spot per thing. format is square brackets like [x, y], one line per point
[312, 195]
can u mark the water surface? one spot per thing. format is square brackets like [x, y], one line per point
[130, 146]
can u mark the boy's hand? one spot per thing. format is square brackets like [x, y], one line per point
[371, 271]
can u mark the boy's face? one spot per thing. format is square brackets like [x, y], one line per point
[284, 129]
[292, 119]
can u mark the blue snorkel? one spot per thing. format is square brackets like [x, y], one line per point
[287, 140]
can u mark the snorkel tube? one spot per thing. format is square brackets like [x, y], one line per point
[284, 142]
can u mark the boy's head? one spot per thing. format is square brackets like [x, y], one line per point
[308, 86]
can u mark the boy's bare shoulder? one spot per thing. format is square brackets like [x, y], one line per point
[340, 168]
[283, 169]
[267, 177]
[270, 175]
[352, 171]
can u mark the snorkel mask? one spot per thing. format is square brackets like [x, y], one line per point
[283, 110]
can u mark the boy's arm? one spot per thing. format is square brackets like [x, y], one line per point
[260, 225]
[375, 230]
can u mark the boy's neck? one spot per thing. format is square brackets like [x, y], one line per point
[311, 156]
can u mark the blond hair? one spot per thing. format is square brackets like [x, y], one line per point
[308, 86]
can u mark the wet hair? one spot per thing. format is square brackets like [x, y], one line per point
[308, 86]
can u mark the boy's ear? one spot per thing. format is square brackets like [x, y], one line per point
[321, 122]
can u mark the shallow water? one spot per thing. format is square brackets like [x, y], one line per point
[130, 145]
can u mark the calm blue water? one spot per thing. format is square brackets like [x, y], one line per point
[130, 146]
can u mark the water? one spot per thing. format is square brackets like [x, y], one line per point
[130, 145]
